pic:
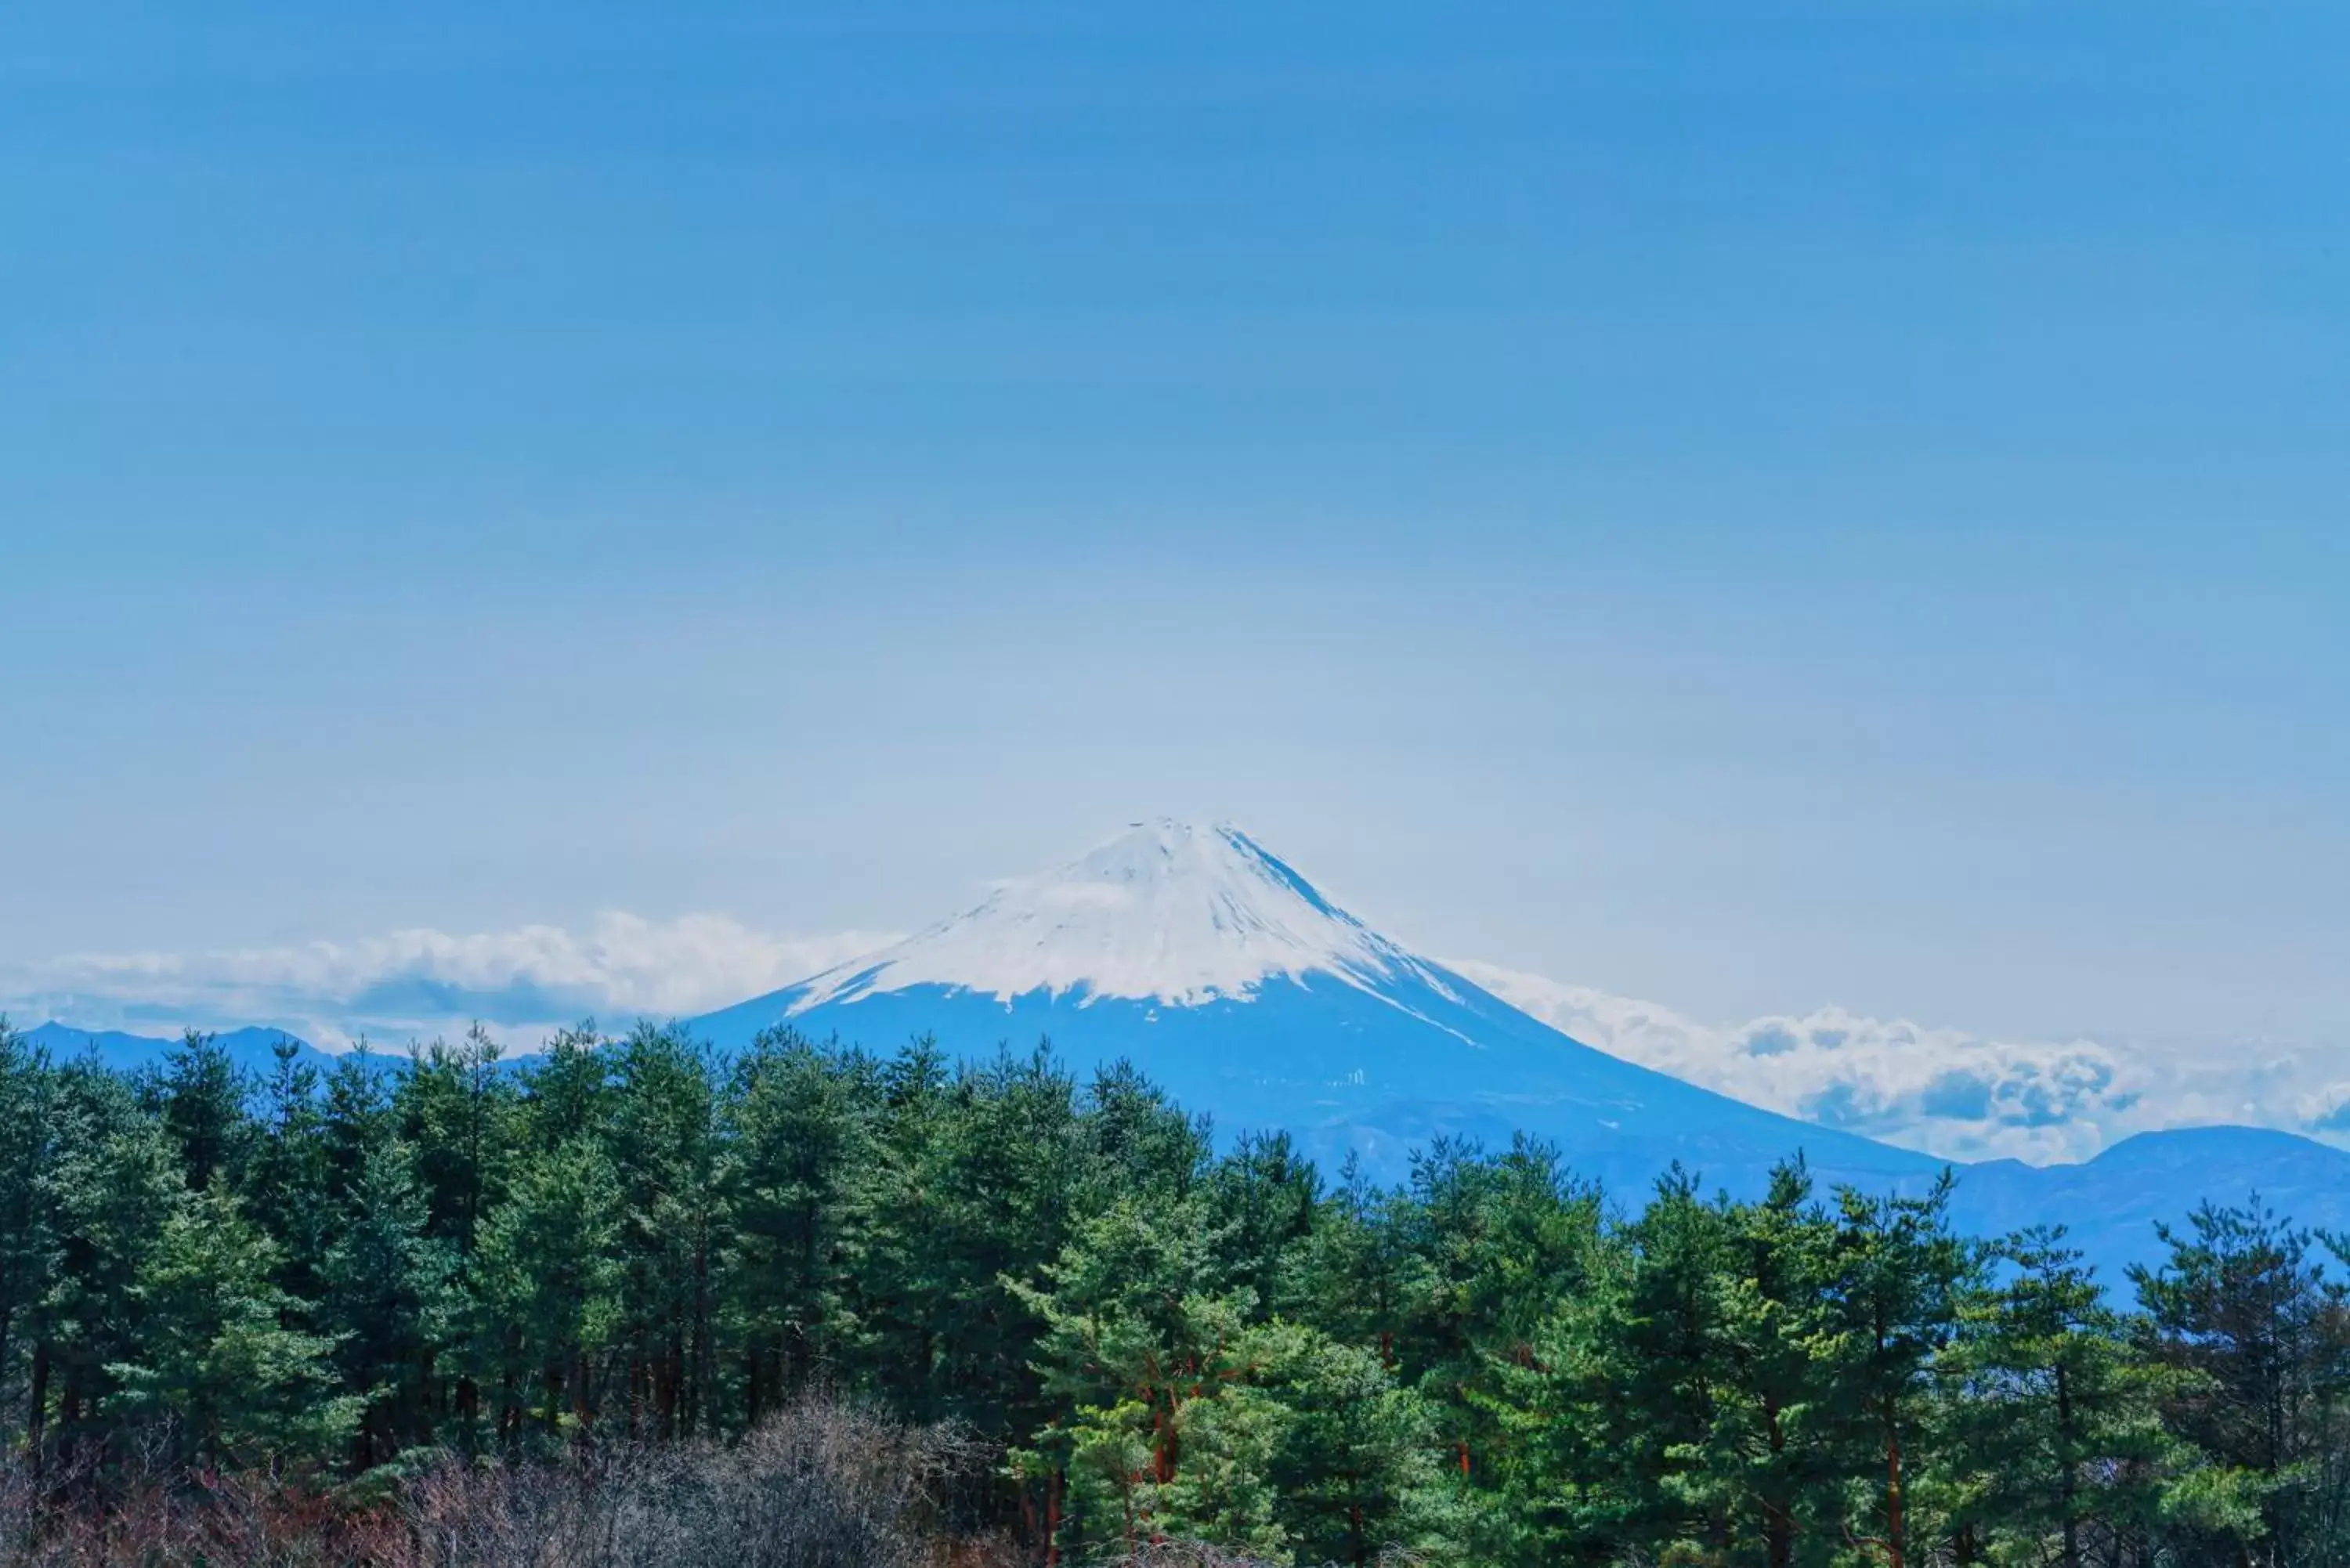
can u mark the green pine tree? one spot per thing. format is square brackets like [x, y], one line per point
[205, 1098]
[1771, 1465]
[2056, 1450]
[2245, 1309]
[1356, 1473]
[27, 1144]
[663, 1135]
[547, 1282]
[106, 1195]
[802, 1149]
[213, 1357]
[1898, 1278]
[390, 1303]
[288, 1179]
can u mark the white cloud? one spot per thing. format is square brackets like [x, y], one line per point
[1952, 1093]
[416, 983]
[1948, 1091]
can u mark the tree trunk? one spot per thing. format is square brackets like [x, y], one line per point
[2072, 1481]
[36, 1409]
[1893, 1522]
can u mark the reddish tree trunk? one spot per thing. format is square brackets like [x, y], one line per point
[1893, 1524]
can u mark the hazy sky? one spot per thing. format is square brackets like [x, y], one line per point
[1753, 505]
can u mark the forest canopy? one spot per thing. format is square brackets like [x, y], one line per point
[345, 1276]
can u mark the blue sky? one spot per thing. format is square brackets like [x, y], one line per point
[1753, 505]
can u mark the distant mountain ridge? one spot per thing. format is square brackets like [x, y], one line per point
[253, 1050]
[1227, 978]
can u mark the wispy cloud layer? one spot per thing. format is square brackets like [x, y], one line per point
[1953, 1092]
[417, 983]
[1946, 1090]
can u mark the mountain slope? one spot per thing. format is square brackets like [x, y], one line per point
[1225, 976]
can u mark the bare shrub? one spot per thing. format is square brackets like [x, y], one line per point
[820, 1485]
[133, 1511]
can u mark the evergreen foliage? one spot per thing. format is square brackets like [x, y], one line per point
[406, 1263]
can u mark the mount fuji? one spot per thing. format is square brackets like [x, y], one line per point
[1221, 972]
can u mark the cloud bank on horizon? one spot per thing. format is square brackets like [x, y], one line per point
[412, 985]
[1945, 1090]
[1940, 1089]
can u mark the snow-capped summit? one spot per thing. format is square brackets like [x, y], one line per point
[1165, 911]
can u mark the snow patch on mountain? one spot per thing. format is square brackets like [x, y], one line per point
[1167, 912]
